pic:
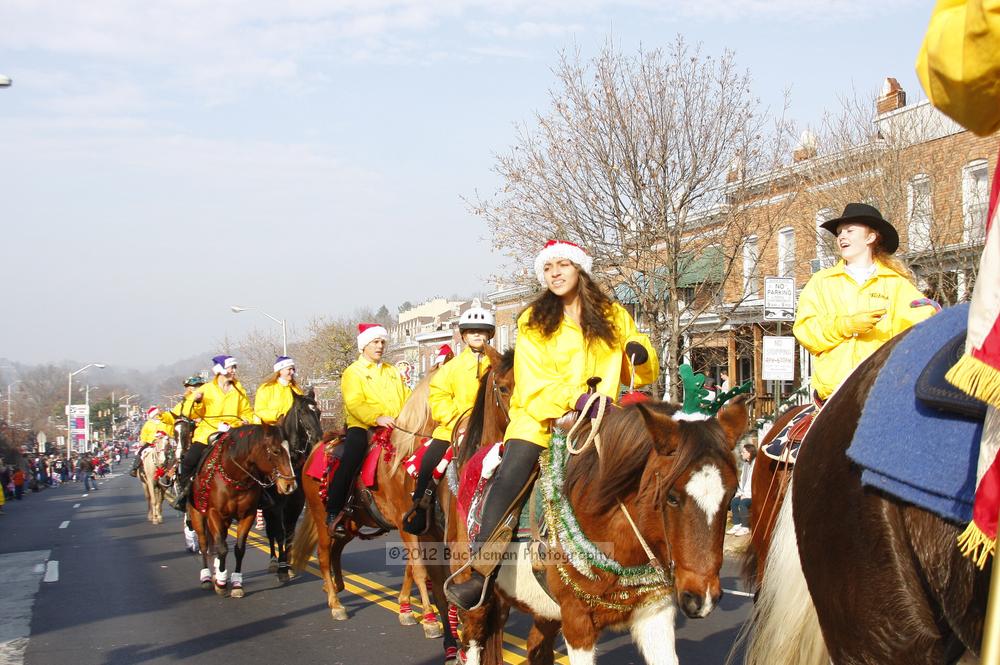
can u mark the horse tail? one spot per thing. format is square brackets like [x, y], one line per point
[496, 618]
[783, 623]
[304, 542]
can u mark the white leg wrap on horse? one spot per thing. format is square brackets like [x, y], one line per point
[237, 579]
[580, 656]
[206, 575]
[190, 537]
[221, 577]
[652, 631]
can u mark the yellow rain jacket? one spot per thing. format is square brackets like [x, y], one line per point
[163, 421]
[187, 407]
[958, 63]
[831, 294]
[217, 407]
[453, 390]
[371, 390]
[551, 373]
[272, 401]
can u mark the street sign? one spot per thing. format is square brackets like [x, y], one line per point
[779, 298]
[41, 439]
[778, 362]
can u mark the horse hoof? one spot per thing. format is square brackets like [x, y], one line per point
[407, 619]
[236, 592]
[273, 566]
[432, 630]
[338, 613]
[207, 584]
[220, 590]
[283, 576]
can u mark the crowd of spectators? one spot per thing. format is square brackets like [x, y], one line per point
[25, 474]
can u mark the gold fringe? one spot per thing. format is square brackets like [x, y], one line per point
[976, 378]
[976, 545]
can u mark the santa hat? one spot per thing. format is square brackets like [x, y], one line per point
[442, 355]
[160, 432]
[222, 363]
[561, 249]
[369, 332]
[282, 362]
[152, 411]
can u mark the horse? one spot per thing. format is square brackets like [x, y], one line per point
[391, 499]
[151, 467]
[183, 435]
[824, 597]
[301, 428]
[227, 487]
[654, 489]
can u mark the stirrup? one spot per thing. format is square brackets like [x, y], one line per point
[487, 581]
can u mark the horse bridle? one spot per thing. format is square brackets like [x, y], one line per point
[275, 476]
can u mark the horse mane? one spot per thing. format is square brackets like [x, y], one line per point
[415, 416]
[477, 417]
[242, 446]
[625, 451]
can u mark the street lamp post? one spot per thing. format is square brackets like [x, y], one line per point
[69, 402]
[281, 322]
[10, 387]
[5, 81]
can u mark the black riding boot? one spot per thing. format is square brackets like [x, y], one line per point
[416, 521]
[135, 462]
[189, 464]
[352, 454]
[183, 489]
[507, 495]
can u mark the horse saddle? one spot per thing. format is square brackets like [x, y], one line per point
[934, 390]
[785, 446]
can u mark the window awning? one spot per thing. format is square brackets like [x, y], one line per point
[707, 265]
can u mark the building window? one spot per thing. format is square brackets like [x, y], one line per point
[786, 253]
[918, 212]
[751, 259]
[826, 245]
[975, 200]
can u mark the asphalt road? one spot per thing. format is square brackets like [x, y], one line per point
[96, 584]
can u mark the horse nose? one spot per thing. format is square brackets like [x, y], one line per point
[692, 604]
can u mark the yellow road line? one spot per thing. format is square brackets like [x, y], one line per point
[388, 598]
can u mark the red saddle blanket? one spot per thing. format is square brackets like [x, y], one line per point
[325, 460]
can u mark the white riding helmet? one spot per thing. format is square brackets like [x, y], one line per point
[477, 317]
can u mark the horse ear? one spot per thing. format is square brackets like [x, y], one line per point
[280, 421]
[312, 393]
[734, 418]
[662, 428]
[492, 354]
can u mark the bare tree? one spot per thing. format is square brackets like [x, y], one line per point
[641, 159]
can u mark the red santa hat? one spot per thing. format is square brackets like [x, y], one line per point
[152, 411]
[442, 355]
[561, 249]
[369, 332]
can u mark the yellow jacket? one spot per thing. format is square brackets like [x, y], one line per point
[831, 294]
[163, 421]
[958, 64]
[371, 390]
[551, 373]
[217, 407]
[453, 390]
[187, 407]
[272, 401]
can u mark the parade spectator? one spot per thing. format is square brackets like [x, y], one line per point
[87, 471]
[740, 505]
[724, 384]
[6, 485]
[18, 479]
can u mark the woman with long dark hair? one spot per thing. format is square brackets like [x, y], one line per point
[571, 333]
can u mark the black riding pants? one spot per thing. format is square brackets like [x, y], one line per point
[519, 459]
[352, 455]
[435, 451]
[192, 458]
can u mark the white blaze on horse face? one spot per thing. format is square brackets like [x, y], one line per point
[652, 631]
[706, 488]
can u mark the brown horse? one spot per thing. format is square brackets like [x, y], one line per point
[767, 487]
[855, 576]
[392, 499]
[227, 487]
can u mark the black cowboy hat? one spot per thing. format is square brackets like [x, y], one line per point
[869, 216]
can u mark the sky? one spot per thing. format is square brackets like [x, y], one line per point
[161, 161]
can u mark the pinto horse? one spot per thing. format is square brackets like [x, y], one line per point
[855, 576]
[151, 467]
[654, 490]
[301, 428]
[391, 498]
[227, 487]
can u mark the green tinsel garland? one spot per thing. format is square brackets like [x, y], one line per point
[565, 532]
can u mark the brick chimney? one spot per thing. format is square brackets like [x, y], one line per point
[806, 149]
[893, 96]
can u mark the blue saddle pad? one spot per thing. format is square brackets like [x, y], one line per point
[916, 453]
